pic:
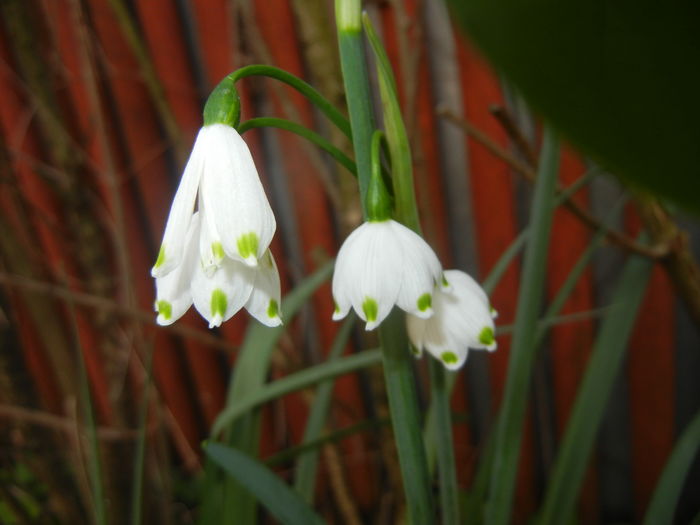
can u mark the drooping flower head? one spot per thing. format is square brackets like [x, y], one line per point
[462, 319]
[383, 263]
[218, 257]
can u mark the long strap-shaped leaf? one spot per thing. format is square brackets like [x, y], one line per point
[512, 414]
[593, 393]
[277, 497]
[668, 489]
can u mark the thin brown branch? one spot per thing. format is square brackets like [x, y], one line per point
[108, 305]
[654, 252]
[64, 424]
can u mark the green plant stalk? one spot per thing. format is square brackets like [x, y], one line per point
[302, 131]
[668, 489]
[318, 100]
[305, 468]
[509, 430]
[447, 471]
[603, 367]
[405, 419]
[357, 92]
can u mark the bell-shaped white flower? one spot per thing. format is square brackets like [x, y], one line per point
[217, 292]
[237, 221]
[462, 319]
[382, 264]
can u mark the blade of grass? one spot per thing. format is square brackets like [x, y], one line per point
[273, 493]
[509, 431]
[293, 382]
[305, 470]
[232, 503]
[604, 364]
[668, 489]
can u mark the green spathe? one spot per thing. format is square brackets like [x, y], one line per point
[223, 105]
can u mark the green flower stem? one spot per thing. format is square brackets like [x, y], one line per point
[357, 93]
[407, 212]
[302, 131]
[440, 391]
[398, 371]
[318, 100]
[509, 429]
[403, 406]
[378, 203]
[396, 136]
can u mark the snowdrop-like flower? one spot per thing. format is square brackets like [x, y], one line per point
[382, 264]
[462, 319]
[219, 293]
[236, 219]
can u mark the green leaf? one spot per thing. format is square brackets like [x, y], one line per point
[618, 79]
[293, 382]
[669, 487]
[603, 367]
[305, 471]
[509, 430]
[272, 492]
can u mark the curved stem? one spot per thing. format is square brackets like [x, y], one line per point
[302, 131]
[318, 100]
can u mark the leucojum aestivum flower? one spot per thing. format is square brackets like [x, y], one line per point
[218, 256]
[383, 264]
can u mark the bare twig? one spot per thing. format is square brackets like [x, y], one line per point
[656, 252]
[102, 303]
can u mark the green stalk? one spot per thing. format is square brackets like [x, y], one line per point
[587, 413]
[509, 430]
[140, 456]
[302, 131]
[405, 419]
[357, 92]
[318, 100]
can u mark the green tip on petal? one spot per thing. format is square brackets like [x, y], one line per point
[165, 309]
[444, 280]
[370, 308]
[486, 336]
[273, 309]
[336, 308]
[218, 303]
[449, 358]
[217, 249]
[247, 245]
[424, 302]
[161, 257]
[414, 349]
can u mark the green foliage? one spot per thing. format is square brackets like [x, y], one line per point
[617, 79]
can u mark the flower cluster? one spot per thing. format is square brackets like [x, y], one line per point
[218, 257]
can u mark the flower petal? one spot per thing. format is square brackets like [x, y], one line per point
[180, 214]
[264, 302]
[219, 296]
[173, 296]
[235, 197]
[211, 251]
[365, 272]
[421, 271]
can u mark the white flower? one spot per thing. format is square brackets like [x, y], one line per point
[217, 292]
[380, 264]
[237, 220]
[463, 319]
